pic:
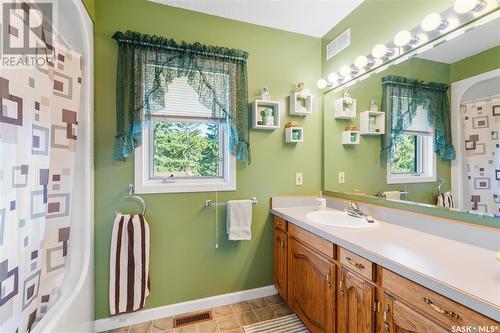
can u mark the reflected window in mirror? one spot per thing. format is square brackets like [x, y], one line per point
[412, 158]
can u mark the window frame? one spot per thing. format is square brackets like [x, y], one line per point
[426, 161]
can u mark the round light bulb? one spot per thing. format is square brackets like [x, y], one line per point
[379, 51]
[465, 6]
[402, 38]
[333, 77]
[431, 22]
[361, 62]
[321, 83]
[345, 70]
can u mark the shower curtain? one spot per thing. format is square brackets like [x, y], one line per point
[481, 127]
[38, 126]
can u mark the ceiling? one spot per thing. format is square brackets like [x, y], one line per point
[309, 17]
[470, 43]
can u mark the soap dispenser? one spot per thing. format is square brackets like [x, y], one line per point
[320, 202]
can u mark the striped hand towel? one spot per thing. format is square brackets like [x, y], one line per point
[445, 200]
[129, 264]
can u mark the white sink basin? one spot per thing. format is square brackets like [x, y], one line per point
[337, 218]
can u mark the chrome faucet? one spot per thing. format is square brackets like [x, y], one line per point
[353, 210]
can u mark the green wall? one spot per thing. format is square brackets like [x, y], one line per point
[90, 6]
[184, 262]
[480, 63]
[361, 163]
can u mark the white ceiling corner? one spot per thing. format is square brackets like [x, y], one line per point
[309, 17]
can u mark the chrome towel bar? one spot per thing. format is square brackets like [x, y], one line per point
[210, 203]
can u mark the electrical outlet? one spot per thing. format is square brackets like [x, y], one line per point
[341, 177]
[299, 178]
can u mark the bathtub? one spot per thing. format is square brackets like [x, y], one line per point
[74, 310]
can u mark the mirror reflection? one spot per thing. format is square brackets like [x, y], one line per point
[425, 130]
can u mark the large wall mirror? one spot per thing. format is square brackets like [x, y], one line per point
[392, 155]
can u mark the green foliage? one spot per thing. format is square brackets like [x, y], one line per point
[403, 156]
[186, 148]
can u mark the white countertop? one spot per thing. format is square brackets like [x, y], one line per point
[468, 274]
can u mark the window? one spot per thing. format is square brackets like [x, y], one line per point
[185, 148]
[412, 158]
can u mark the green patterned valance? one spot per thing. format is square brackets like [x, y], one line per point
[148, 64]
[402, 98]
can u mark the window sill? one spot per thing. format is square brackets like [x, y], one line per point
[410, 179]
[182, 188]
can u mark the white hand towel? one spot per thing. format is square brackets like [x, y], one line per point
[392, 195]
[239, 219]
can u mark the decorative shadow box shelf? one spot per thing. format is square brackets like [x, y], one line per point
[294, 134]
[372, 123]
[258, 106]
[344, 111]
[300, 104]
[350, 138]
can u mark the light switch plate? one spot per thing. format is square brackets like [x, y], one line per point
[341, 177]
[299, 178]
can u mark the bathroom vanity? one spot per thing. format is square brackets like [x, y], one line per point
[386, 278]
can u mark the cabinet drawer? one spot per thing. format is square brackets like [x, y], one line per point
[356, 263]
[445, 311]
[322, 245]
[279, 223]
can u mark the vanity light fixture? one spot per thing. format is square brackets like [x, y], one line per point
[321, 83]
[345, 71]
[362, 62]
[432, 22]
[333, 77]
[404, 38]
[465, 6]
[380, 51]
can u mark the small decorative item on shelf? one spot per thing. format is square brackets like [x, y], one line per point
[372, 123]
[265, 96]
[265, 114]
[345, 107]
[350, 136]
[293, 133]
[301, 101]
[373, 106]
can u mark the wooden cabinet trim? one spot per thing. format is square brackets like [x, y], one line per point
[280, 223]
[356, 263]
[446, 312]
[324, 246]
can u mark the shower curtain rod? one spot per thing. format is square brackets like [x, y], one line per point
[486, 98]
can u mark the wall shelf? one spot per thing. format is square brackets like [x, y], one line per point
[372, 123]
[344, 111]
[301, 104]
[258, 106]
[294, 134]
[350, 138]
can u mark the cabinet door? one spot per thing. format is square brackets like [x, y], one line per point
[355, 304]
[399, 318]
[311, 287]
[280, 262]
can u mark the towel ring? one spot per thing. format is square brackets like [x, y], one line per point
[130, 195]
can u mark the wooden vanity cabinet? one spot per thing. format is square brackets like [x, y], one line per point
[280, 262]
[311, 287]
[400, 318]
[355, 303]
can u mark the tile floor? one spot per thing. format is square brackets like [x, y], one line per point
[228, 318]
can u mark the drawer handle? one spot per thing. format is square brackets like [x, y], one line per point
[329, 279]
[352, 262]
[439, 310]
[282, 244]
[341, 285]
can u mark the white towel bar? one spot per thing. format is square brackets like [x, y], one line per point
[210, 203]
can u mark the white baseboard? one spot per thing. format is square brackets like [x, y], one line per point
[180, 308]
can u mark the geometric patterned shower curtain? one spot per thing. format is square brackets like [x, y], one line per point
[38, 126]
[481, 128]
